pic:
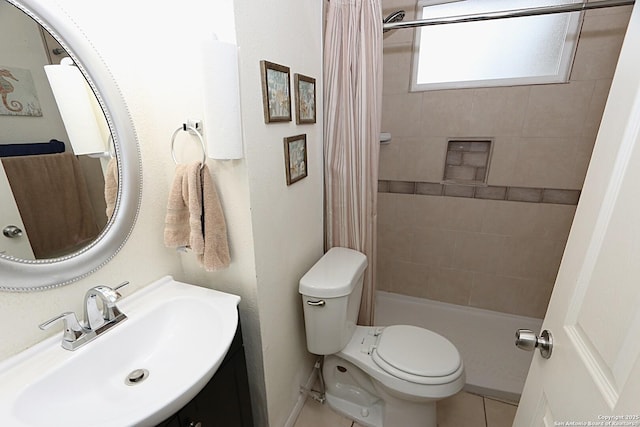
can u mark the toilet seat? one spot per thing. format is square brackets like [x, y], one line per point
[361, 351]
[417, 355]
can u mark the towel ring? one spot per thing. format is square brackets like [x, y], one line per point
[185, 128]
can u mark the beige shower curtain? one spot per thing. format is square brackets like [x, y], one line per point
[353, 102]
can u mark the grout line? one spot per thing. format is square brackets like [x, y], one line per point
[506, 402]
[484, 407]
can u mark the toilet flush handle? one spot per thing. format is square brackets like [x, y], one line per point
[319, 303]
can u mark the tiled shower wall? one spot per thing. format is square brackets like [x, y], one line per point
[501, 255]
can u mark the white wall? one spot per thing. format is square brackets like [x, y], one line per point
[287, 221]
[275, 231]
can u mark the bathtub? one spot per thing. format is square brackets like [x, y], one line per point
[485, 339]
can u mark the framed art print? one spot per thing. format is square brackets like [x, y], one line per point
[276, 96]
[295, 158]
[19, 97]
[305, 92]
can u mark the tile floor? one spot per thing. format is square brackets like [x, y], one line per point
[462, 410]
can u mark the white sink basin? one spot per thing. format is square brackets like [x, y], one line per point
[180, 333]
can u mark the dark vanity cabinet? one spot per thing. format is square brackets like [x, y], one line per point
[224, 401]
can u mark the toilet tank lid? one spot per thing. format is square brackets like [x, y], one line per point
[334, 275]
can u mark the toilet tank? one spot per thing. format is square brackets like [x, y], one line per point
[331, 292]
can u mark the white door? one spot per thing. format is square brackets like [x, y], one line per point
[593, 375]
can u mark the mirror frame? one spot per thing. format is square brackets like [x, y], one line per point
[18, 275]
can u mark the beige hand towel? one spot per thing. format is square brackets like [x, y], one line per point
[195, 219]
[183, 222]
[111, 186]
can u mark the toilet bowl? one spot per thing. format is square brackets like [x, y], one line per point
[379, 376]
[402, 390]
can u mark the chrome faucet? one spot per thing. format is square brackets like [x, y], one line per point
[94, 316]
[99, 318]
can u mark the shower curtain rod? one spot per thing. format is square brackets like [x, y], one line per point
[516, 13]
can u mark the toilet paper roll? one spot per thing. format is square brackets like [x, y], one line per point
[78, 108]
[222, 120]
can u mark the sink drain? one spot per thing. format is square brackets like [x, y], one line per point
[136, 377]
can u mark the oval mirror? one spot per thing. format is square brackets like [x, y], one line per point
[70, 175]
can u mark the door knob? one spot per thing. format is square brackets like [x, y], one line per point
[11, 231]
[526, 339]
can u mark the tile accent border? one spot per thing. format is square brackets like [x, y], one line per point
[489, 192]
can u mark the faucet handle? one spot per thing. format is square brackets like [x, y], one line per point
[121, 285]
[72, 328]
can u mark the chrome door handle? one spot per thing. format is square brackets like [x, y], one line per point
[11, 231]
[526, 339]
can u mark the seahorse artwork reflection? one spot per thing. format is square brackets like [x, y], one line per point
[6, 88]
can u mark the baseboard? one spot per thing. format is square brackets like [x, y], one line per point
[302, 398]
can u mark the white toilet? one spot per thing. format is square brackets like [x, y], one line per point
[379, 376]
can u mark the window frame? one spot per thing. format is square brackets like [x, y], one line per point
[562, 76]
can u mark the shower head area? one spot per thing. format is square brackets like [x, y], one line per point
[396, 16]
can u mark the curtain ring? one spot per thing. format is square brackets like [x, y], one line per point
[185, 127]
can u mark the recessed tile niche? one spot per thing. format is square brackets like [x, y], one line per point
[467, 161]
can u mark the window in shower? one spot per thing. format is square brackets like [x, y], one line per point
[501, 52]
